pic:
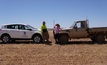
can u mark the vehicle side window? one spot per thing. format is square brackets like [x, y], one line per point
[78, 25]
[10, 27]
[83, 25]
[27, 28]
[21, 27]
[16, 26]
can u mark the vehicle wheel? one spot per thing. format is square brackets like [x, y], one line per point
[5, 38]
[37, 38]
[100, 39]
[63, 39]
[93, 39]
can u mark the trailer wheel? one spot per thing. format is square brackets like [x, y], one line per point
[63, 39]
[100, 39]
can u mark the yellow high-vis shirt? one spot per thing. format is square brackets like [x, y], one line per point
[43, 28]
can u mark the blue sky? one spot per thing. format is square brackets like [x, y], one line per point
[64, 12]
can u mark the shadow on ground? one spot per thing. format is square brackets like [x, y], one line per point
[26, 42]
[50, 43]
[81, 42]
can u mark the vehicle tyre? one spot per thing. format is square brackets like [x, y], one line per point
[100, 39]
[5, 38]
[37, 38]
[63, 39]
[93, 39]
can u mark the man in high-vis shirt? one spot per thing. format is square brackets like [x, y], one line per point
[44, 31]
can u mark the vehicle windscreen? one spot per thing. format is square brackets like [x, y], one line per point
[73, 25]
[31, 27]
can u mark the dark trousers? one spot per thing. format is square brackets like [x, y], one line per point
[45, 36]
[56, 37]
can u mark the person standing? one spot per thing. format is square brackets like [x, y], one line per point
[57, 29]
[44, 31]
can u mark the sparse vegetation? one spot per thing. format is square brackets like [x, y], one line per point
[76, 52]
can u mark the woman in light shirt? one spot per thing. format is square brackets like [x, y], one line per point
[57, 29]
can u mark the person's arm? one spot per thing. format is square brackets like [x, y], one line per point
[60, 29]
[45, 27]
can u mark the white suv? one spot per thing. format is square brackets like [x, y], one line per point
[12, 32]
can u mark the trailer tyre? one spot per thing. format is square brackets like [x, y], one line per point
[63, 39]
[100, 39]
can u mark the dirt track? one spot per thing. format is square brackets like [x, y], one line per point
[73, 53]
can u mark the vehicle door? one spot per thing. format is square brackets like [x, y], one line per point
[79, 30]
[13, 31]
[25, 32]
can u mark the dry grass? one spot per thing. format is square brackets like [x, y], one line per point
[74, 53]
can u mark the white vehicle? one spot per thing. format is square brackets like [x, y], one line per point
[12, 32]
